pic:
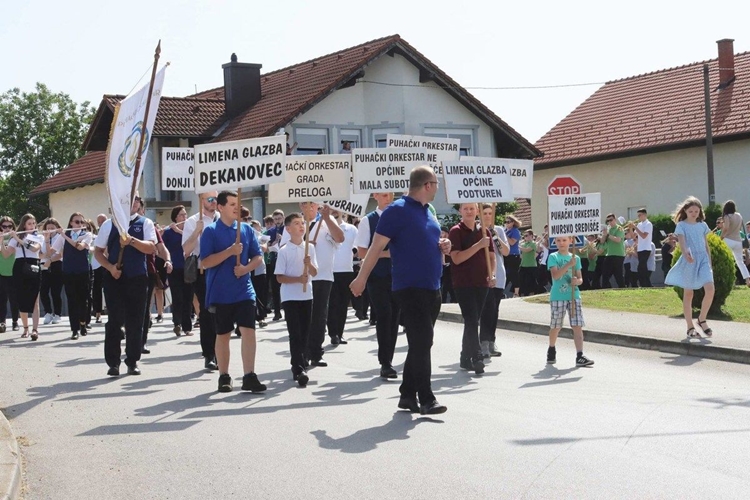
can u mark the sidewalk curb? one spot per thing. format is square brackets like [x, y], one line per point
[10, 462]
[684, 348]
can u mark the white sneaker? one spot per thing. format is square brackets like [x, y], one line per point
[55, 319]
[47, 319]
[485, 345]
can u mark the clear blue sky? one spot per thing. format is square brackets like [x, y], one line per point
[88, 48]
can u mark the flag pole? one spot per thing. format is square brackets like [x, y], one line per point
[144, 133]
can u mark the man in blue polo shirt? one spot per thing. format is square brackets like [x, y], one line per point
[412, 234]
[229, 291]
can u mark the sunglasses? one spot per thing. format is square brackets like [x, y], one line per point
[6, 226]
[211, 199]
[610, 220]
[246, 219]
[138, 198]
[79, 221]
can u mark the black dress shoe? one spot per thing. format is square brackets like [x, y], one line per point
[388, 372]
[74, 336]
[211, 365]
[113, 371]
[408, 404]
[433, 408]
[145, 351]
[134, 370]
[342, 341]
[318, 362]
[335, 340]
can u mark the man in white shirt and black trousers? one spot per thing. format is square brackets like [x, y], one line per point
[326, 235]
[645, 231]
[125, 289]
[191, 234]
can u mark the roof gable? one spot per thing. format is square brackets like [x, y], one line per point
[652, 112]
[290, 92]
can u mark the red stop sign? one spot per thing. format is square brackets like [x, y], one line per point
[564, 185]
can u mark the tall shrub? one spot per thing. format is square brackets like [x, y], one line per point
[723, 266]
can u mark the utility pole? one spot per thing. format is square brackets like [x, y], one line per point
[709, 138]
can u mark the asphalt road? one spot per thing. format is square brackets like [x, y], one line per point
[638, 424]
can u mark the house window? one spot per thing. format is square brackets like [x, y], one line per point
[353, 135]
[379, 135]
[311, 141]
[465, 135]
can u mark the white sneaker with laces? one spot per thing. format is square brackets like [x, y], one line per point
[55, 319]
[47, 319]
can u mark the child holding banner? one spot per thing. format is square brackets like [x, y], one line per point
[295, 266]
[566, 277]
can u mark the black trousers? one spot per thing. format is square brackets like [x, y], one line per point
[97, 289]
[8, 295]
[147, 308]
[275, 288]
[208, 329]
[388, 311]
[182, 300]
[471, 301]
[321, 294]
[125, 306]
[260, 285]
[52, 284]
[527, 275]
[644, 275]
[490, 314]
[446, 286]
[512, 265]
[298, 314]
[419, 310]
[613, 267]
[338, 303]
[77, 291]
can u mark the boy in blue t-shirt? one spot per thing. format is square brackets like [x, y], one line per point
[229, 291]
[566, 277]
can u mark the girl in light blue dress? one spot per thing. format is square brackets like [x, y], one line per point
[693, 270]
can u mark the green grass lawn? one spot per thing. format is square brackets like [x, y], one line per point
[661, 301]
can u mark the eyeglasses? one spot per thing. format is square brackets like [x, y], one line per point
[509, 222]
[211, 199]
[610, 220]
[432, 182]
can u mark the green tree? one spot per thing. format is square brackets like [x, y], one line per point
[40, 134]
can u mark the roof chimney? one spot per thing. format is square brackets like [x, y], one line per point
[726, 62]
[241, 86]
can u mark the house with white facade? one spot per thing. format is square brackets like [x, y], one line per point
[359, 94]
[641, 141]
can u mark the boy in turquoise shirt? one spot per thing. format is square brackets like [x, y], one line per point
[566, 277]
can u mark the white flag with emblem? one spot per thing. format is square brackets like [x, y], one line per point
[122, 152]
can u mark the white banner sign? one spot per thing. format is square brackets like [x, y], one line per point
[313, 178]
[573, 215]
[177, 169]
[521, 174]
[122, 152]
[478, 180]
[439, 149]
[239, 164]
[385, 170]
[356, 205]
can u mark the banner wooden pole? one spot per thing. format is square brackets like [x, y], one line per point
[307, 247]
[573, 287]
[239, 221]
[490, 271]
